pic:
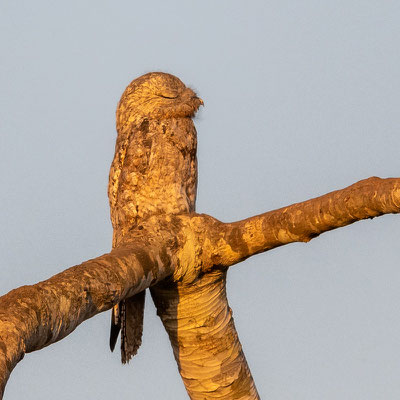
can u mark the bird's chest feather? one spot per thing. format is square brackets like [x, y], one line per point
[159, 173]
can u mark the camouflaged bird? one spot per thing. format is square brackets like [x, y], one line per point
[154, 171]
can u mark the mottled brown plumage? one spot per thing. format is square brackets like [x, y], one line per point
[154, 171]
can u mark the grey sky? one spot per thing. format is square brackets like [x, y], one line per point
[301, 98]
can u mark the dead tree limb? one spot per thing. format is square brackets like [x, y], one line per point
[184, 259]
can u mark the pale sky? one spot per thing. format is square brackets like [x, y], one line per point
[301, 98]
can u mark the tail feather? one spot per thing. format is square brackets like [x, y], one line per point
[115, 325]
[127, 317]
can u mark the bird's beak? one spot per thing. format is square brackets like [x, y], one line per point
[201, 101]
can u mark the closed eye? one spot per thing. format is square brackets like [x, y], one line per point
[167, 97]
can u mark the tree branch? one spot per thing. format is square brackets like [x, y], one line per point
[230, 243]
[206, 346]
[32, 317]
[193, 250]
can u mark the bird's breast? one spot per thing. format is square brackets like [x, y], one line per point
[159, 173]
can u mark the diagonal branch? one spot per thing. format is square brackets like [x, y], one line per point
[230, 243]
[32, 317]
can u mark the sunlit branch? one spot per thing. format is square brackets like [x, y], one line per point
[301, 222]
[32, 317]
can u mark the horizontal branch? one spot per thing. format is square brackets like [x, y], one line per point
[230, 243]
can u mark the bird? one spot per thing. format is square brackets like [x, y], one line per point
[154, 171]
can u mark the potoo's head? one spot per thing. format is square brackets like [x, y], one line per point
[156, 95]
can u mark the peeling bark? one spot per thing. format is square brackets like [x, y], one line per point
[184, 259]
[202, 333]
[32, 317]
[301, 222]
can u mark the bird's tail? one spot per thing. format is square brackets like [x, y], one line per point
[127, 317]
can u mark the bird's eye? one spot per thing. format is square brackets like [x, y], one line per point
[168, 96]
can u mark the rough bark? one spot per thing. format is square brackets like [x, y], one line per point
[185, 259]
[202, 333]
[32, 317]
[301, 222]
[194, 309]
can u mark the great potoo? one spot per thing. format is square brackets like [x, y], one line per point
[154, 171]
